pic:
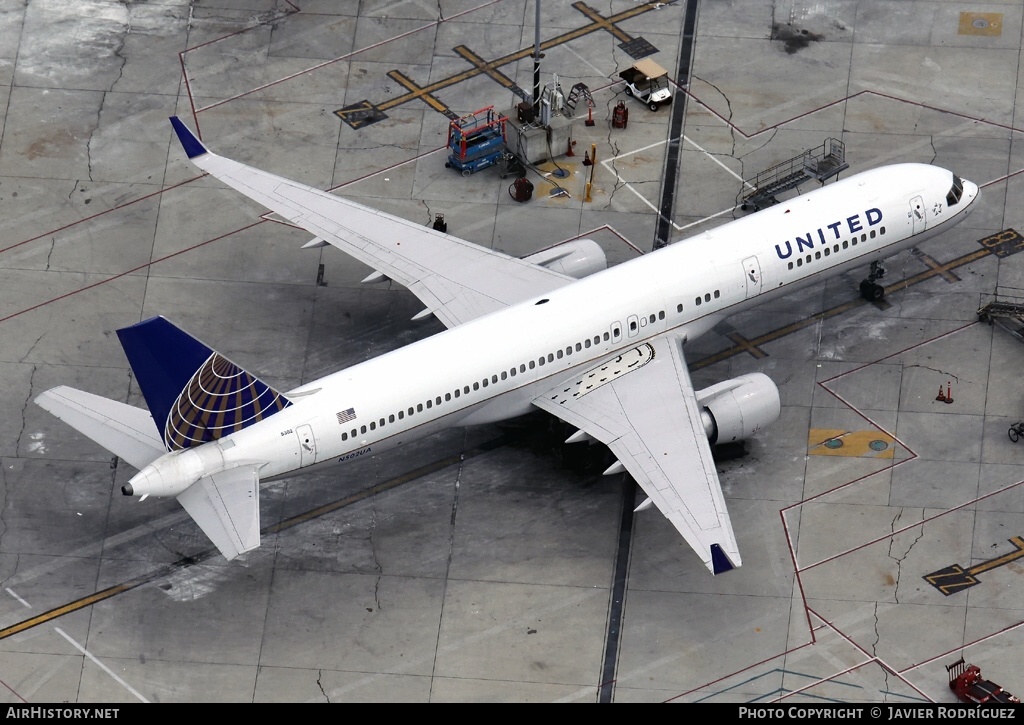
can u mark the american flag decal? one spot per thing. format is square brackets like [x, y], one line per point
[346, 415]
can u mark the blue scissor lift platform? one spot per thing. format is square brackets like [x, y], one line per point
[476, 141]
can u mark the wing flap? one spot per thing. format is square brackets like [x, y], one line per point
[642, 405]
[124, 430]
[226, 506]
[458, 281]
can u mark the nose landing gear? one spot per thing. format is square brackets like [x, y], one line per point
[869, 290]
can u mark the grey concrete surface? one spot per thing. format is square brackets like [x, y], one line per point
[480, 565]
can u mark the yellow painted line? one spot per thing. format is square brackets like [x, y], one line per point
[781, 332]
[79, 604]
[169, 569]
[993, 563]
[417, 92]
[854, 444]
[488, 68]
[522, 53]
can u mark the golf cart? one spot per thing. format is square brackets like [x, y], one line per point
[648, 81]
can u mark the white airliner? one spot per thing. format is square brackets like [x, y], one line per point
[602, 349]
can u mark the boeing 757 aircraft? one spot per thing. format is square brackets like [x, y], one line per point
[601, 348]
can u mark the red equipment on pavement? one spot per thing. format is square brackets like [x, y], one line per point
[968, 684]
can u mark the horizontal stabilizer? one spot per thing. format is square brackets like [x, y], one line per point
[226, 506]
[124, 430]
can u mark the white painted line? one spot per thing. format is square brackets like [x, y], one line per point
[99, 664]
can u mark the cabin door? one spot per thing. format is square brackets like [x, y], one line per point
[917, 214]
[752, 276]
[307, 445]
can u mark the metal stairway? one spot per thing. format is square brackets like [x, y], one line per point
[1006, 310]
[811, 164]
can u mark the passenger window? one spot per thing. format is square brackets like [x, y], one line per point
[696, 301]
[484, 382]
[872, 233]
[382, 422]
[373, 426]
[401, 414]
[430, 404]
[532, 365]
[344, 436]
[791, 265]
[363, 429]
[661, 313]
[504, 375]
[512, 372]
[494, 379]
[606, 338]
[717, 294]
[800, 262]
[578, 347]
[457, 392]
[653, 319]
[863, 237]
[827, 251]
[586, 343]
[522, 368]
[707, 296]
[808, 259]
[844, 244]
[447, 397]
[559, 354]
[551, 358]
[391, 419]
[679, 307]
[354, 433]
[817, 255]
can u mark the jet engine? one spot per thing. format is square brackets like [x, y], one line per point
[577, 259]
[736, 409]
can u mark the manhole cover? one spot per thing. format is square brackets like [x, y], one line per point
[878, 445]
[833, 443]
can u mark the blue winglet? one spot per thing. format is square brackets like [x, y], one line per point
[193, 146]
[719, 560]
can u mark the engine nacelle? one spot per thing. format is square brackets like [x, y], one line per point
[736, 409]
[577, 259]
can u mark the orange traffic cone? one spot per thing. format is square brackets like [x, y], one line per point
[940, 397]
[949, 394]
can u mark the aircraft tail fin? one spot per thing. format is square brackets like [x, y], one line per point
[194, 394]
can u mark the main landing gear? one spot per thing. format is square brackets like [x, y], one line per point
[869, 290]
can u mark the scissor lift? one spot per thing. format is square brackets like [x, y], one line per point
[476, 141]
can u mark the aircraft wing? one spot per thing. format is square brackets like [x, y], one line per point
[457, 281]
[642, 405]
[124, 430]
[226, 506]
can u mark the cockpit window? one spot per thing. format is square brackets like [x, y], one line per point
[955, 192]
